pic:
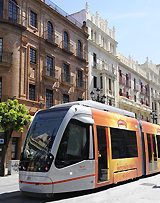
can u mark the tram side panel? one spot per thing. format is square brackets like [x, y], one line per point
[152, 147]
[123, 158]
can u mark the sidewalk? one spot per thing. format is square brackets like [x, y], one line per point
[144, 190]
[9, 183]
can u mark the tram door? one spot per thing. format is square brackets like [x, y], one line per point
[102, 154]
[152, 152]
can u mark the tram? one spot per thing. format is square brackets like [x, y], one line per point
[84, 145]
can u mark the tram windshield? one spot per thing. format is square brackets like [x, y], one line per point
[36, 155]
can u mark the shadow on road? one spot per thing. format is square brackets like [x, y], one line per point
[17, 197]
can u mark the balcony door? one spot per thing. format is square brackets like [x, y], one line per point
[1, 49]
[13, 11]
[1, 8]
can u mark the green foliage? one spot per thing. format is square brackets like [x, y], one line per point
[13, 116]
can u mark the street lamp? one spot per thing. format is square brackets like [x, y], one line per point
[97, 97]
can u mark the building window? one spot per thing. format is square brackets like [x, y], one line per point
[95, 36]
[66, 41]
[13, 10]
[120, 73]
[94, 82]
[1, 8]
[65, 98]
[110, 84]
[14, 152]
[101, 82]
[92, 34]
[49, 98]
[66, 73]
[1, 49]
[74, 145]
[134, 83]
[33, 19]
[0, 89]
[79, 49]
[110, 102]
[79, 78]
[1, 45]
[50, 66]
[120, 92]
[32, 55]
[94, 60]
[50, 30]
[32, 92]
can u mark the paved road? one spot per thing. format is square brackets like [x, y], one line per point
[145, 190]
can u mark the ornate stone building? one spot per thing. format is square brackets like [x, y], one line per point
[43, 56]
[103, 63]
[139, 88]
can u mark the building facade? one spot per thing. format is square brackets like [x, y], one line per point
[43, 56]
[101, 56]
[139, 86]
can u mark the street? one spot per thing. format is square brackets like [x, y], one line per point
[144, 190]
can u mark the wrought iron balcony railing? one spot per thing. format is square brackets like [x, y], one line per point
[81, 55]
[14, 17]
[68, 47]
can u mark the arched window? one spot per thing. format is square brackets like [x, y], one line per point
[50, 30]
[66, 41]
[13, 10]
[79, 48]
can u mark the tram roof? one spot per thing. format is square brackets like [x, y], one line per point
[99, 106]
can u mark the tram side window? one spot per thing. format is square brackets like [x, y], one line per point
[158, 144]
[124, 143]
[74, 146]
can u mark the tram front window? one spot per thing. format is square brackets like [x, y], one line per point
[74, 146]
[36, 155]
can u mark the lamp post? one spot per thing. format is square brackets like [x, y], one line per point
[97, 97]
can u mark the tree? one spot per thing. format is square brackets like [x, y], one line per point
[13, 116]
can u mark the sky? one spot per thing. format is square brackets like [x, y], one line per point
[137, 24]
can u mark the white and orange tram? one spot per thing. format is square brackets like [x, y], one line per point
[84, 145]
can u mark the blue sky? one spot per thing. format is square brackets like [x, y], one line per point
[137, 24]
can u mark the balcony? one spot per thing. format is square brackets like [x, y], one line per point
[125, 100]
[110, 93]
[50, 74]
[80, 84]
[122, 80]
[67, 47]
[128, 83]
[110, 70]
[53, 40]
[5, 60]
[14, 18]
[66, 79]
[144, 92]
[81, 55]
[136, 88]
[96, 66]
